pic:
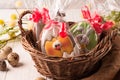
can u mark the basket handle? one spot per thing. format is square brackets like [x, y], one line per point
[20, 20]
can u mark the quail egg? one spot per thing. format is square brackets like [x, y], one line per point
[13, 59]
[3, 66]
[40, 78]
[4, 52]
[7, 49]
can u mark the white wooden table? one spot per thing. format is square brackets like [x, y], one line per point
[26, 69]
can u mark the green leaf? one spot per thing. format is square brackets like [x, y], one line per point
[5, 30]
[2, 44]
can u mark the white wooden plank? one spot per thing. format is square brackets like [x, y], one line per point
[8, 4]
[3, 75]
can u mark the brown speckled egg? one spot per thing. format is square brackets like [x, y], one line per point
[40, 78]
[3, 55]
[3, 66]
[7, 49]
[13, 59]
[4, 52]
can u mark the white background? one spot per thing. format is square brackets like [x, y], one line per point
[11, 3]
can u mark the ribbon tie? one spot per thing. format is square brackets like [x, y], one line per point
[97, 22]
[62, 26]
[44, 16]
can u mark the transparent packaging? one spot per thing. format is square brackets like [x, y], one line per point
[49, 35]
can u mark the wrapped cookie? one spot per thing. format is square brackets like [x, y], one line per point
[39, 19]
[56, 40]
[85, 36]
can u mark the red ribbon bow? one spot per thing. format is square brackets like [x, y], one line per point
[97, 22]
[62, 26]
[44, 16]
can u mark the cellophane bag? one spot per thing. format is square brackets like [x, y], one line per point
[63, 6]
[51, 34]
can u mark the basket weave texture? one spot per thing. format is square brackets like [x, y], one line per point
[64, 68]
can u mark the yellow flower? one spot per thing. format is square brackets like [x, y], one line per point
[18, 3]
[13, 16]
[12, 23]
[2, 22]
[11, 34]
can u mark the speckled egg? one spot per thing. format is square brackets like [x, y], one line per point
[13, 59]
[4, 52]
[3, 66]
[7, 49]
[40, 78]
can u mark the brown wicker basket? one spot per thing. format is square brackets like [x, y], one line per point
[63, 68]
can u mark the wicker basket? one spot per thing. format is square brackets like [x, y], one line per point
[62, 68]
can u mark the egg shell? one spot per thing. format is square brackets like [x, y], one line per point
[4, 52]
[7, 49]
[3, 66]
[13, 59]
[40, 78]
[3, 55]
